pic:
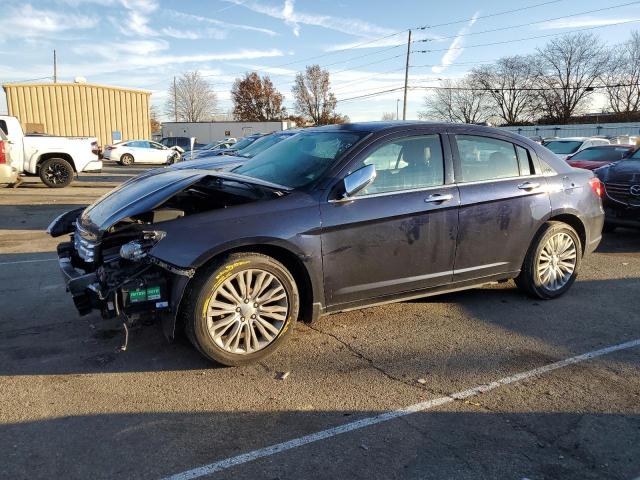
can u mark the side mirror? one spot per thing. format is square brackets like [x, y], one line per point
[359, 180]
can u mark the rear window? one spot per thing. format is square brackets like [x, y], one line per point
[599, 154]
[3, 127]
[563, 147]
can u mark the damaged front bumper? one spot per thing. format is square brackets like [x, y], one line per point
[153, 290]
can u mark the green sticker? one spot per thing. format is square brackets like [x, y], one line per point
[137, 296]
[153, 293]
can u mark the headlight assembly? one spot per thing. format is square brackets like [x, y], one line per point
[136, 250]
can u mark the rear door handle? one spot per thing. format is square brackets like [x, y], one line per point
[438, 198]
[528, 185]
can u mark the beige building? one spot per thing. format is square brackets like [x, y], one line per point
[80, 109]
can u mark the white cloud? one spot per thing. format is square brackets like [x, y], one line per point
[27, 22]
[287, 13]
[455, 49]
[192, 20]
[580, 22]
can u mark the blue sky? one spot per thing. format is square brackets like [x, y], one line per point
[144, 43]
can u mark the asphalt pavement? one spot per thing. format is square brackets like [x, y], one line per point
[378, 393]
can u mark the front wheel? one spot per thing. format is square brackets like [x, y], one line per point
[552, 262]
[126, 159]
[56, 173]
[241, 309]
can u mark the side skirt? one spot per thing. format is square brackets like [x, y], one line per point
[449, 288]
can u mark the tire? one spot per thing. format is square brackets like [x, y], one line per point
[227, 344]
[609, 228]
[56, 173]
[173, 159]
[126, 159]
[533, 278]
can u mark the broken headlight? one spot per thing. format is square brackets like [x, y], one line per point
[136, 250]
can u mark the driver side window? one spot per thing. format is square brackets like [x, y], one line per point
[405, 164]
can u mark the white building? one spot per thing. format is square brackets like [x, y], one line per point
[207, 132]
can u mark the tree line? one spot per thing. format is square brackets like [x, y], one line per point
[552, 85]
[255, 99]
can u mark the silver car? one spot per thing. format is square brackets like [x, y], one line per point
[141, 151]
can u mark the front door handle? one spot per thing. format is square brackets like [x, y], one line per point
[528, 185]
[438, 198]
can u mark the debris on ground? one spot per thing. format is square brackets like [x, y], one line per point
[282, 375]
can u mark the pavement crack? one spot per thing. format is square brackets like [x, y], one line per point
[370, 361]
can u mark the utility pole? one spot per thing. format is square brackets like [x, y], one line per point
[406, 78]
[397, 109]
[175, 100]
[55, 68]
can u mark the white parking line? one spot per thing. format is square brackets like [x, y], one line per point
[386, 416]
[28, 261]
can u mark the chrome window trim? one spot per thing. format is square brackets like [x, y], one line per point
[395, 192]
[504, 179]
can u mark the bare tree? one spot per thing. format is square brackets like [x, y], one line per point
[192, 99]
[509, 84]
[623, 76]
[256, 99]
[313, 97]
[153, 119]
[567, 69]
[456, 101]
[386, 116]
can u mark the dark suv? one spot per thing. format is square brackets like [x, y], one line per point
[330, 219]
[622, 192]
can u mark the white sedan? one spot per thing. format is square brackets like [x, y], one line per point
[140, 151]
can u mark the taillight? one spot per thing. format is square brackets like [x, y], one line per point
[596, 186]
[3, 155]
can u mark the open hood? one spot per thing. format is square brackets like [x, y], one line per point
[146, 192]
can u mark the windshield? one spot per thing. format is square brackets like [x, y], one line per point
[261, 145]
[300, 159]
[601, 154]
[563, 147]
[636, 155]
[245, 142]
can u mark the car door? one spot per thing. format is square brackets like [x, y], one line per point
[399, 234]
[158, 153]
[503, 202]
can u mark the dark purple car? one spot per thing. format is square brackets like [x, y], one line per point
[330, 219]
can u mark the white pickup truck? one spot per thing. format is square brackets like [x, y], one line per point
[55, 159]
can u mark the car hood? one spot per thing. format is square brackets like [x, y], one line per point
[625, 171]
[148, 191]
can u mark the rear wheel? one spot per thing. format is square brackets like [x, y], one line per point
[56, 173]
[241, 309]
[126, 159]
[552, 262]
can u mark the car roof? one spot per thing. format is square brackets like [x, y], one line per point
[611, 145]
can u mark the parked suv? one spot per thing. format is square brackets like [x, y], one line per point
[622, 192]
[330, 219]
[183, 142]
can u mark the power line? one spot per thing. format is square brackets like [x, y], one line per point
[28, 80]
[524, 89]
[489, 15]
[527, 38]
[533, 23]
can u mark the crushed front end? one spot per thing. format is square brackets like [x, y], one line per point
[113, 272]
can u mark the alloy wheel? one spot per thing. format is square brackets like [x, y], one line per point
[557, 261]
[56, 173]
[247, 311]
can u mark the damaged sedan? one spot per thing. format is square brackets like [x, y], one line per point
[330, 219]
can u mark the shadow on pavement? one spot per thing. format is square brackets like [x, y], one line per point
[427, 445]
